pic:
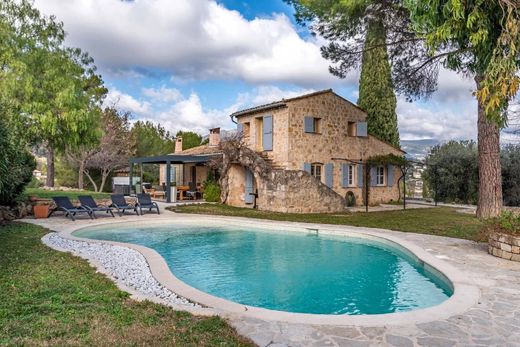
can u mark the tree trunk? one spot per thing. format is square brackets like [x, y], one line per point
[81, 174]
[490, 172]
[91, 181]
[50, 167]
[104, 176]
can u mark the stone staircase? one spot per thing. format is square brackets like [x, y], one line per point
[270, 162]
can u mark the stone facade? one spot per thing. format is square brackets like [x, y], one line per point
[504, 246]
[284, 191]
[334, 143]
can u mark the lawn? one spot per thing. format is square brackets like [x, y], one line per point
[48, 194]
[442, 221]
[53, 298]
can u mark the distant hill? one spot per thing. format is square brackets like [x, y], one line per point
[418, 149]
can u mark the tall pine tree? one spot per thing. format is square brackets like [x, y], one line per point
[376, 89]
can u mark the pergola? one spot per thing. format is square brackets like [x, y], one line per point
[168, 160]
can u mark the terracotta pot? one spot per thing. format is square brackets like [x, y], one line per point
[41, 211]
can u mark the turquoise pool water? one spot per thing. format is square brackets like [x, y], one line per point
[288, 271]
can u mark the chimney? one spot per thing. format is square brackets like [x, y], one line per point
[214, 137]
[178, 144]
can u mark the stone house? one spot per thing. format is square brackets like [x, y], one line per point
[316, 146]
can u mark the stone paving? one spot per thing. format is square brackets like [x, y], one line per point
[494, 321]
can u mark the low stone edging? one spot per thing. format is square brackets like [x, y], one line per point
[504, 246]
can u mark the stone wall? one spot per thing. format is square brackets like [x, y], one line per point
[504, 246]
[296, 191]
[236, 181]
[280, 152]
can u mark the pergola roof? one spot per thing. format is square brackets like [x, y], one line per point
[173, 159]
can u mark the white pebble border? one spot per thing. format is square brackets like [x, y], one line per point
[127, 267]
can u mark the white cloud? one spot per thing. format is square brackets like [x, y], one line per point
[437, 121]
[126, 102]
[266, 94]
[178, 112]
[162, 94]
[193, 39]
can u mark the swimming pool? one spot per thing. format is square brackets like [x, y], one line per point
[302, 272]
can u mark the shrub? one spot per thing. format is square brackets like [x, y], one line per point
[35, 183]
[507, 223]
[16, 167]
[211, 191]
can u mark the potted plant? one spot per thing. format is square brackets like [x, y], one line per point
[41, 209]
[173, 191]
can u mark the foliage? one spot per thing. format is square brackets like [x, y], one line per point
[510, 156]
[50, 92]
[391, 159]
[190, 139]
[441, 221]
[452, 172]
[507, 223]
[376, 89]
[66, 176]
[34, 183]
[54, 298]
[16, 166]
[114, 149]
[345, 24]
[479, 38]
[211, 191]
[150, 139]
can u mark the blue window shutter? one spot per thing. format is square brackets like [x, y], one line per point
[240, 128]
[268, 133]
[329, 168]
[390, 176]
[249, 187]
[373, 176]
[308, 124]
[362, 129]
[307, 167]
[344, 174]
[360, 175]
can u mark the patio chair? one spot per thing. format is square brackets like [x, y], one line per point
[64, 204]
[119, 202]
[158, 192]
[145, 201]
[89, 203]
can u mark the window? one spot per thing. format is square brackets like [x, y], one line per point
[351, 129]
[380, 175]
[312, 125]
[316, 170]
[351, 175]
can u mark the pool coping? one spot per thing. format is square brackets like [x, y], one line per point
[465, 292]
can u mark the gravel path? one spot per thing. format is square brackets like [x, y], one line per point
[125, 266]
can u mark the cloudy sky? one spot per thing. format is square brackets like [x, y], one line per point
[188, 64]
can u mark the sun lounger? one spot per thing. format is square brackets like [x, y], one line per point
[64, 204]
[145, 201]
[89, 203]
[119, 202]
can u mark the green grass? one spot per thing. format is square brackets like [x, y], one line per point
[53, 298]
[442, 221]
[48, 194]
